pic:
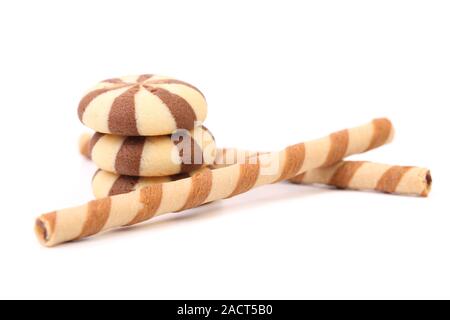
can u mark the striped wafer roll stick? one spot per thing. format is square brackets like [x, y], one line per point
[209, 185]
[83, 145]
[353, 175]
[364, 175]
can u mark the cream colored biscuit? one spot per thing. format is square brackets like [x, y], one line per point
[144, 105]
[180, 152]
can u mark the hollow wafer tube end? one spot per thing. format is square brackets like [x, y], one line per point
[428, 184]
[44, 227]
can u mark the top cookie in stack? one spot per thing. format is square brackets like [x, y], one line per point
[148, 125]
[145, 105]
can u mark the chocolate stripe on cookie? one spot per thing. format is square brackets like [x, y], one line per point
[97, 215]
[338, 147]
[344, 174]
[170, 81]
[391, 178]
[191, 154]
[180, 109]
[128, 158]
[210, 133]
[150, 197]
[114, 80]
[144, 77]
[93, 142]
[122, 117]
[123, 184]
[87, 100]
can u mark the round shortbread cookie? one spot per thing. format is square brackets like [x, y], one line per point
[145, 105]
[106, 183]
[183, 151]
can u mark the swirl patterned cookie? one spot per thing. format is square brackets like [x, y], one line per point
[180, 152]
[145, 105]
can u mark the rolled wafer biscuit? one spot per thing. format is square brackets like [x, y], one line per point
[180, 152]
[144, 105]
[209, 185]
[353, 175]
[84, 144]
[364, 175]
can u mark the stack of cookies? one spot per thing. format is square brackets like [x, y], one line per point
[146, 126]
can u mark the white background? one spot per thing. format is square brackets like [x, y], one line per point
[274, 73]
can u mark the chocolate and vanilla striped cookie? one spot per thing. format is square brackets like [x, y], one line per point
[144, 105]
[183, 151]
